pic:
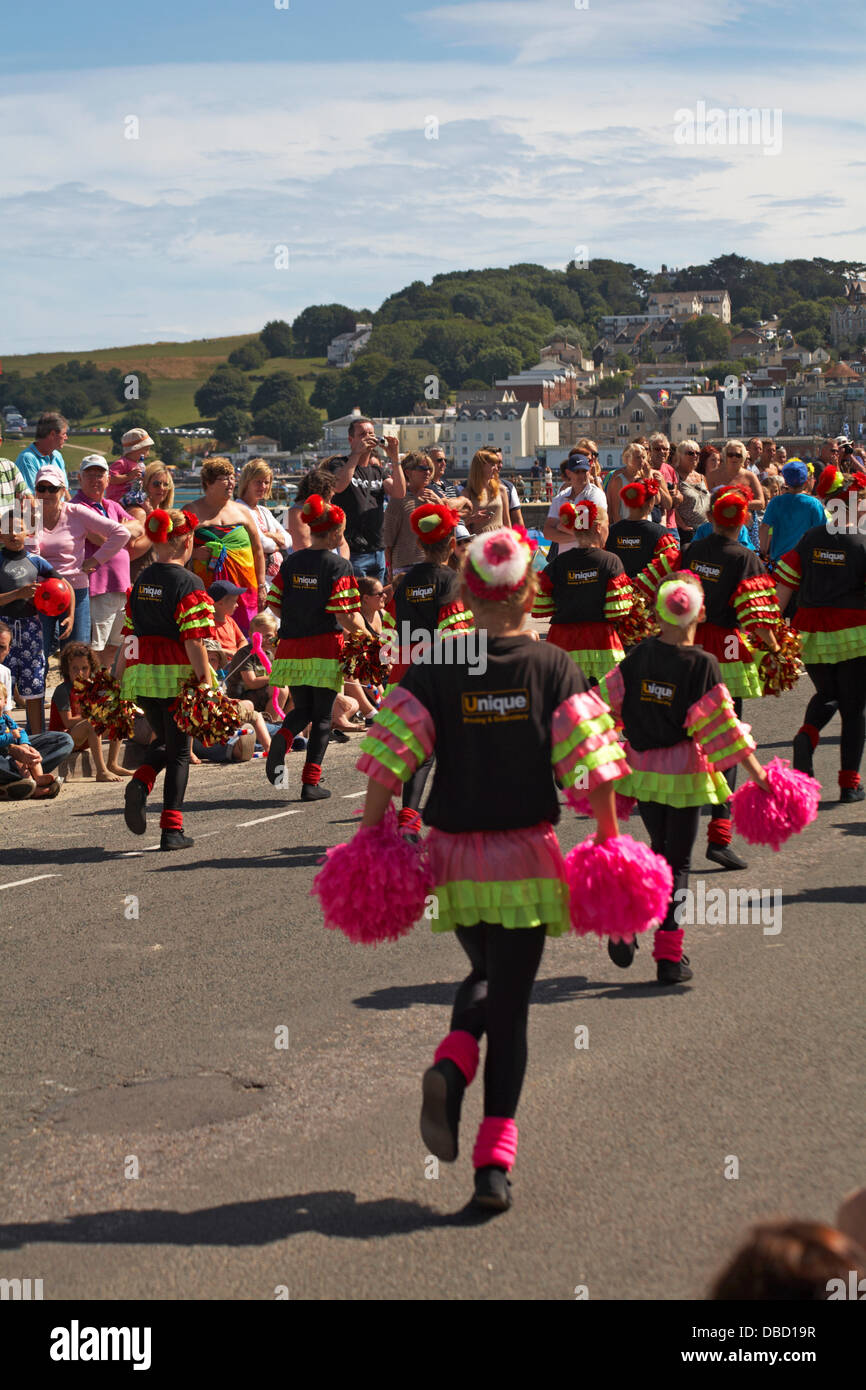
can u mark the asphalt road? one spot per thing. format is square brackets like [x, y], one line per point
[144, 995]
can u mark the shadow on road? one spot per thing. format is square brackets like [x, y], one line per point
[262, 803]
[285, 856]
[855, 827]
[256, 1223]
[556, 990]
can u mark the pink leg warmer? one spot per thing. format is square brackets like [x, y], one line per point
[668, 945]
[496, 1144]
[461, 1049]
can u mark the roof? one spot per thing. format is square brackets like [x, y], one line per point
[705, 407]
[840, 371]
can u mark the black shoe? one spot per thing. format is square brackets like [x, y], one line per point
[276, 758]
[802, 759]
[673, 972]
[442, 1087]
[311, 793]
[727, 857]
[175, 839]
[135, 806]
[339, 736]
[492, 1189]
[621, 952]
[848, 794]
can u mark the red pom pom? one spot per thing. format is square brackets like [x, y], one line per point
[51, 597]
[770, 818]
[374, 888]
[618, 888]
[634, 494]
[313, 508]
[158, 525]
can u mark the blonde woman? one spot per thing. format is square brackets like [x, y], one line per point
[483, 502]
[635, 468]
[227, 541]
[590, 448]
[157, 485]
[254, 487]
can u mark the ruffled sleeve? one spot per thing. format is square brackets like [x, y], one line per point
[194, 615]
[585, 749]
[275, 592]
[789, 570]
[345, 597]
[755, 602]
[400, 739]
[660, 567]
[544, 605]
[453, 618]
[619, 598]
[713, 723]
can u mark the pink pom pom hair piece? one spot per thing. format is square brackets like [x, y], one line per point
[496, 564]
[376, 887]
[679, 603]
[771, 818]
[619, 888]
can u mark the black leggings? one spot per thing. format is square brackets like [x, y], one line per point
[313, 705]
[843, 684]
[672, 831]
[413, 790]
[730, 775]
[171, 751]
[494, 999]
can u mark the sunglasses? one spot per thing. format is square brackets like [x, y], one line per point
[47, 487]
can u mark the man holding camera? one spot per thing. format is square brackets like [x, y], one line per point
[361, 485]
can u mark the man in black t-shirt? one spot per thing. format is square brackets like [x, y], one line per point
[361, 487]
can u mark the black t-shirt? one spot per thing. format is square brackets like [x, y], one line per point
[833, 569]
[421, 595]
[363, 501]
[155, 596]
[307, 578]
[493, 734]
[662, 682]
[635, 543]
[580, 578]
[721, 565]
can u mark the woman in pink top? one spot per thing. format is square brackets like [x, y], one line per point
[65, 526]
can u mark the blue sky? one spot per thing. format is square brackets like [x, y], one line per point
[309, 128]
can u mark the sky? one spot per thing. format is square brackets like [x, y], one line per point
[183, 170]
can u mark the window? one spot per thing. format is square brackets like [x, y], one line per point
[478, 437]
[506, 434]
[623, 430]
[464, 436]
[637, 417]
[490, 438]
[693, 429]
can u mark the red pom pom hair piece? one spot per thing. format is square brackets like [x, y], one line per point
[158, 526]
[619, 888]
[433, 521]
[634, 495]
[321, 516]
[374, 888]
[771, 818]
[578, 516]
[830, 479]
[730, 509]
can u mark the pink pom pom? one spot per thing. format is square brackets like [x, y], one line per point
[770, 818]
[579, 803]
[374, 888]
[618, 888]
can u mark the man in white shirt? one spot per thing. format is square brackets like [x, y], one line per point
[575, 473]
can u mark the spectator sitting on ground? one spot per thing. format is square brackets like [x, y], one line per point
[15, 784]
[11, 736]
[78, 662]
[247, 678]
[789, 1261]
[225, 630]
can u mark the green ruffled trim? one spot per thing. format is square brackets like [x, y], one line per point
[611, 753]
[676, 788]
[526, 902]
[698, 730]
[387, 757]
[323, 672]
[463, 620]
[597, 662]
[743, 679]
[742, 745]
[153, 682]
[819, 648]
[598, 725]
[206, 607]
[390, 720]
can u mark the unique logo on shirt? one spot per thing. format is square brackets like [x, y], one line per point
[305, 581]
[657, 692]
[711, 572]
[625, 542]
[496, 707]
[581, 576]
[148, 591]
[828, 557]
[418, 593]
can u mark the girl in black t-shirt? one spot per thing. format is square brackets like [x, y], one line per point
[168, 617]
[681, 734]
[500, 734]
[316, 598]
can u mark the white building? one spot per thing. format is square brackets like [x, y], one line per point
[519, 428]
[694, 417]
[753, 411]
[343, 349]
